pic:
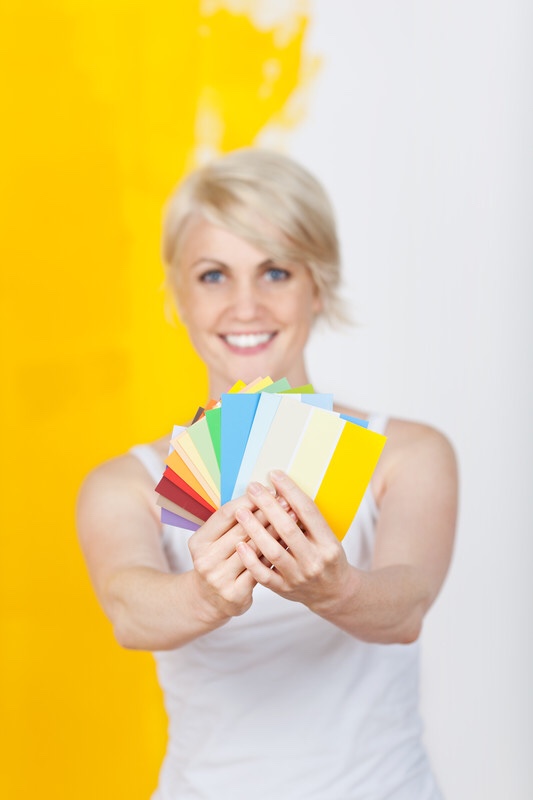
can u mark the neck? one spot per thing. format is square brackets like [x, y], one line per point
[220, 383]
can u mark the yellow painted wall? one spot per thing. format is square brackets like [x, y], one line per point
[105, 103]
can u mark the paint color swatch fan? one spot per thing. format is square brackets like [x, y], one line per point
[259, 427]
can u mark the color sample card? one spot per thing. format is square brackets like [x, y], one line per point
[201, 437]
[259, 427]
[283, 438]
[315, 451]
[348, 475]
[238, 413]
[169, 518]
[266, 411]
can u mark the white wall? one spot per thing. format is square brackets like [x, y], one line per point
[420, 124]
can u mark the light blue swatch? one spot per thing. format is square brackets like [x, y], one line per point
[363, 423]
[236, 418]
[265, 413]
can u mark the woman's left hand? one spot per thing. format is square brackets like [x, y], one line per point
[309, 564]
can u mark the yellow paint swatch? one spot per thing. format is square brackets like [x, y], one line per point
[315, 451]
[258, 385]
[348, 475]
[236, 388]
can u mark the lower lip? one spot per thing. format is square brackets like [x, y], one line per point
[249, 351]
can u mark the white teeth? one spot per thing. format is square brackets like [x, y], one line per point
[246, 340]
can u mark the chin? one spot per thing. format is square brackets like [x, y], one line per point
[248, 372]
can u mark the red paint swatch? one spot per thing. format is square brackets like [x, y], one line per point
[184, 486]
[172, 492]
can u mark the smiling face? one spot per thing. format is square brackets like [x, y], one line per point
[247, 315]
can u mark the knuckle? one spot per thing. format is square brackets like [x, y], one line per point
[227, 595]
[268, 581]
[226, 513]
[276, 558]
[237, 602]
[286, 527]
[200, 563]
[312, 514]
[312, 570]
[242, 607]
[330, 555]
[204, 566]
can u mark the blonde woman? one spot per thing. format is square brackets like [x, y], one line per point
[289, 661]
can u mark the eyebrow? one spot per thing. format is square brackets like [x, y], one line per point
[207, 260]
[215, 262]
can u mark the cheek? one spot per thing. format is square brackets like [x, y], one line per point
[193, 309]
[304, 305]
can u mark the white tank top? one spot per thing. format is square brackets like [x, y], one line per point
[279, 704]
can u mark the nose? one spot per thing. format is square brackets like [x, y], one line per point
[246, 299]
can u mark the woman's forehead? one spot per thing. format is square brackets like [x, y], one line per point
[202, 238]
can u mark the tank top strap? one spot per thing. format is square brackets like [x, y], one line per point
[378, 422]
[150, 459]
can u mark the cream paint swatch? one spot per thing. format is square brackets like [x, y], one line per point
[284, 435]
[164, 502]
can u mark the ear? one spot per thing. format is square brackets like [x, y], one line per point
[318, 303]
[178, 307]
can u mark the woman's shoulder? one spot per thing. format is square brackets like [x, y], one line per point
[128, 472]
[400, 432]
[122, 488]
[411, 446]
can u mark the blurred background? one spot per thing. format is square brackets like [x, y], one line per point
[418, 118]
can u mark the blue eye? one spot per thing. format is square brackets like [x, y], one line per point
[212, 276]
[277, 274]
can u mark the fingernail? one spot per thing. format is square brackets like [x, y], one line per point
[255, 488]
[277, 474]
[242, 514]
[283, 503]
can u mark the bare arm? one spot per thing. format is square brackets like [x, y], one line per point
[150, 607]
[414, 539]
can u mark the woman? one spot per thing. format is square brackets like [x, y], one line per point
[289, 661]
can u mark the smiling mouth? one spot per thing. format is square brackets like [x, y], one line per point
[247, 342]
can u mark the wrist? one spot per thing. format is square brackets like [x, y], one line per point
[203, 604]
[344, 596]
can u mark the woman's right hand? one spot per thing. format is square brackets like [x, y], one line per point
[151, 607]
[223, 583]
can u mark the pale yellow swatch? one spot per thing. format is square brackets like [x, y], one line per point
[257, 385]
[184, 445]
[316, 448]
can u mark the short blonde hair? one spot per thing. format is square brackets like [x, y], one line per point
[250, 192]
